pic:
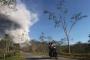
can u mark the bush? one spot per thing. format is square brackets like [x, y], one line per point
[83, 56]
[2, 53]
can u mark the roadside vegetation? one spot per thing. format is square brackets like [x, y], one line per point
[79, 50]
[9, 50]
[17, 56]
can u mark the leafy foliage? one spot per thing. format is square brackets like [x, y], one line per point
[7, 47]
[7, 2]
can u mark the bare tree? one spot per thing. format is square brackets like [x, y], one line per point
[42, 37]
[61, 20]
[43, 42]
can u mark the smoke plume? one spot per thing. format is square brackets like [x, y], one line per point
[16, 22]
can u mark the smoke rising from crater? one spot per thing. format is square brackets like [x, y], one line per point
[16, 22]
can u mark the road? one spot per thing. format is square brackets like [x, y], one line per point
[47, 58]
[29, 56]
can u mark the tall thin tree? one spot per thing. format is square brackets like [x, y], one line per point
[60, 19]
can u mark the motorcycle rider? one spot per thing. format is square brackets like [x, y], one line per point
[52, 50]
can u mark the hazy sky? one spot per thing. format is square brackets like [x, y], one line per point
[80, 31]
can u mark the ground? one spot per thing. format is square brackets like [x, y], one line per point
[28, 56]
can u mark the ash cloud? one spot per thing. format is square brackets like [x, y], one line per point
[17, 22]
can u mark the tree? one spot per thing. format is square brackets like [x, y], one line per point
[7, 2]
[42, 40]
[33, 45]
[89, 38]
[60, 19]
[6, 44]
[42, 37]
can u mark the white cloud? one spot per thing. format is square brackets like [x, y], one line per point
[24, 17]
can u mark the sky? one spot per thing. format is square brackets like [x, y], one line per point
[79, 32]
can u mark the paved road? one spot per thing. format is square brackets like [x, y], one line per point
[47, 58]
[28, 56]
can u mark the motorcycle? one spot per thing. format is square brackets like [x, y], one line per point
[52, 51]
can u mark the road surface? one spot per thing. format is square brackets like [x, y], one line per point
[29, 56]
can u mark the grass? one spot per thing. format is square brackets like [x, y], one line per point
[18, 56]
[79, 56]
